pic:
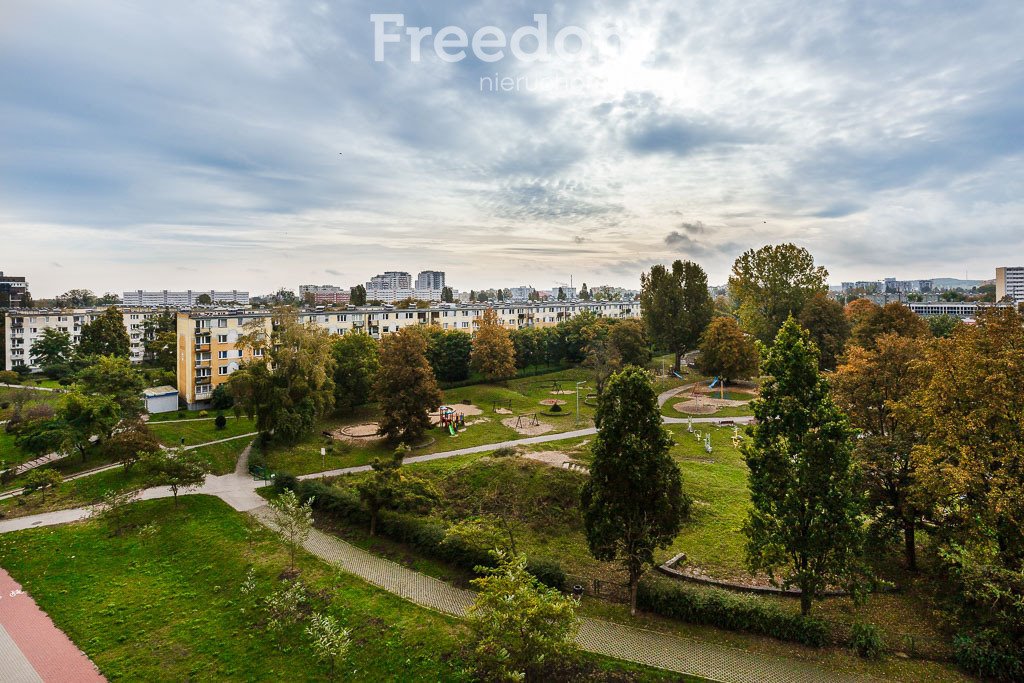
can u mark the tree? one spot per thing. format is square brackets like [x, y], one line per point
[81, 417]
[292, 519]
[76, 298]
[116, 379]
[630, 340]
[449, 354]
[676, 306]
[633, 502]
[357, 295]
[113, 509]
[131, 441]
[289, 383]
[41, 479]
[388, 487]
[177, 469]
[447, 295]
[602, 356]
[584, 293]
[872, 386]
[204, 300]
[772, 283]
[726, 351]
[356, 363]
[493, 354]
[826, 321]
[942, 326]
[330, 641]
[222, 398]
[527, 344]
[893, 318]
[51, 351]
[519, 625]
[405, 387]
[106, 335]
[805, 515]
[858, 312]
[561, 294]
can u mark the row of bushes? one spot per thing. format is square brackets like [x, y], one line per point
[424, 535]
[731, 611]
[988, 655]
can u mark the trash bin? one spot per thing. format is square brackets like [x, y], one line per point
[577, 591]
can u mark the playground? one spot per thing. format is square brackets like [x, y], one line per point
[712, 398]
[527, 425]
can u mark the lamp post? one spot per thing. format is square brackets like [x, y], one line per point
[578, 401]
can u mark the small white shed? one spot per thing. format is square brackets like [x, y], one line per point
[161, 399]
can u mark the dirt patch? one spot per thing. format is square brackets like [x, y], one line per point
[552, 402]
[481, 421]
[527, 427]
[563, 392]
[696, 407]
[360, 433]
[503, 411]
[553, 458]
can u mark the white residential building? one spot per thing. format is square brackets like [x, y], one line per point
[1010, 283]
[166, 298]
[389, 287]
[23, 326]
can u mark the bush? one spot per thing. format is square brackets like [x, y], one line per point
[716, 607]
[181, 414]
[556, 408]
[203, 413]
[866, 641]
[220, 422]
[40, 480]
[984, 654]
[426, 536]
[505, 452]
[283, 481]
[8, 377]
[222, 398]
[5, 405]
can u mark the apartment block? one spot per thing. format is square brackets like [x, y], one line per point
[12, 290]
[1010, 283]
[965, 310]
[326, 294]
[184, 299]
[24, 326]
[208, 351]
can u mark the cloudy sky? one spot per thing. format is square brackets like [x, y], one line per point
[196, 144]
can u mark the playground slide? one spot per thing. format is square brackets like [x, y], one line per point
[712, 385]
[451, 429]
[677, 375]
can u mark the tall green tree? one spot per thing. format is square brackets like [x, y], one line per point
[405, 387]
[52, 352]
[449, 354]
[177, 469]
[356, 362]
[388, 488]
[726, 351]
[106, 335]
[630, 340]
[826, 321]
[357, 295]
[676, 306]
[805, 518]
[76, 298]
[893, 318]
[942, 326]
[289, 382]
[160, 341]
[633, 503]
[772, 283]
[293, 519]
[116, 379]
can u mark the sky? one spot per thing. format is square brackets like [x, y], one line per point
[254, 145]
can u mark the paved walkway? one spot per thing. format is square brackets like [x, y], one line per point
[25, 386]
[32, 648]
[660, 650]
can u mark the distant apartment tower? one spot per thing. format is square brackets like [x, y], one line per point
[389, 287]
[326, 294]
[12, 290]
[521, 293]
[430, 279]
[1010, 283]
[169, 299]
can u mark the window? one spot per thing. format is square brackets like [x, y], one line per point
[258, 353]
[222, 339]
[222, 370]
[222, 322]
[222, 354]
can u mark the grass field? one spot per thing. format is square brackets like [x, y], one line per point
[542, 502]
[163, 603]
[222, 456]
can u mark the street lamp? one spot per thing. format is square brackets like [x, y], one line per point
[578, 401]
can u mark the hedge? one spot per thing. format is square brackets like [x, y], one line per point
[716, 607]
[987, 655]
[426, 536]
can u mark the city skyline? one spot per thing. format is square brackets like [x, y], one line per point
[255, 150]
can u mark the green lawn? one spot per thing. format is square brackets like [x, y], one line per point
[543, 505]
[71, 494]
[163, 603]
[222, 456]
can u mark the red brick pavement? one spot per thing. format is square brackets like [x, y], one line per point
[51, 653]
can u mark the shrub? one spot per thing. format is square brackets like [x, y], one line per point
[425, 535]
[222, 398]
[66, 381]
[866, 641]
[8, 377]
[505, 452]
[220, 422]
[716, 607]
[203, 413]
[555, 408]
[41, 480]
[181, 414]
[984, 654]
[5, 405]
[284, 481]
